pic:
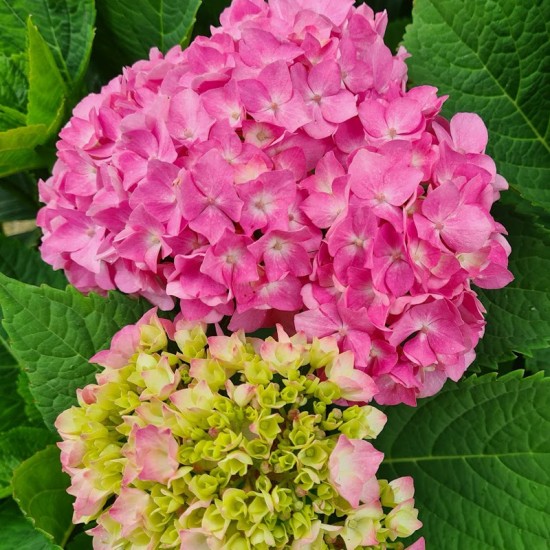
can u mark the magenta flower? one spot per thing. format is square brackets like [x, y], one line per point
[280, 171]
[271, 98]
[211, 202]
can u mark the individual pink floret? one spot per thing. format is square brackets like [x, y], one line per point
[352, 463]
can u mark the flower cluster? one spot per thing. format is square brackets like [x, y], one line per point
[279, 171]
[229, 443]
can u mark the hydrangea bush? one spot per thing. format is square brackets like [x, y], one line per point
[272, 231]
[229, 443]
[280, 171]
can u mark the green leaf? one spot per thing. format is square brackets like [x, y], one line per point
[518, 316]
[16, 446]
[18, 200]
[18, 149]
[25, 264]
[53, 334]
[23, 389]
[17, 532]
[479, 454]
[13, 82]
[10, 118]
[6, 358]
[82, 541]
[47, 90]
[66, 25]
[135, 26]
[39, 487]
[490, 56]
[12, 411]
[539, 362]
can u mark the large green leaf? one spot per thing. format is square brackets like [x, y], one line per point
[13, 82]
[490, 56]
[17, 445]
[518, 316]
[11, 118]
[39, 487]
[17, 532]
[18, 200]
[131, 27]
[24, 264]
[23, 389]
[12, 410]
[82, 541]
[479, 454]
[53, 333]
[66, 25]
[47, 90]
[18, 149]
[539, 362]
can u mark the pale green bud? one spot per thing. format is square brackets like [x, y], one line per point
[290, 393]
[263, 483]
[258, 448]
[333, 420]
[237, 542]
[282, 461]
[268, 397]
[300, 525]
[301, 437]
[153, 337]
[258, 509]
[235, 463]
[261, 537]
[322, 352]
[328, 392]
[315, 456]
[214, 520]
[210, 371]
[320, 408]
[307, 479]
[191, 342]
[234, 504]
[203, 486]
[257, 372]
[267, 426]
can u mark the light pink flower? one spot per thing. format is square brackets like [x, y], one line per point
[156, 451]
[352, 464]
[355, 384]
[130, 509]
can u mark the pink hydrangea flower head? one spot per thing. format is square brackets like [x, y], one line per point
[280, 171]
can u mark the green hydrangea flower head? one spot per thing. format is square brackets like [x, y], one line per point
[228, 442]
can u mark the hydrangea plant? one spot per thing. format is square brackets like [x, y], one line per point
[296, 172]
[227, 442]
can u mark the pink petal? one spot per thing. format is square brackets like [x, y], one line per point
[156, 454]
[469, 133]
[340, 107]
